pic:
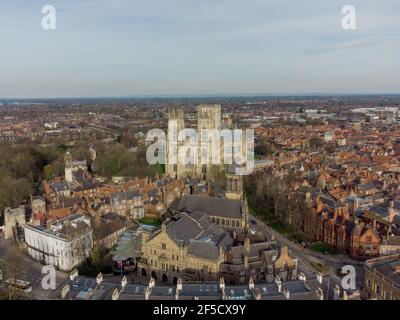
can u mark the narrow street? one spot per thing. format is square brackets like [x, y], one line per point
[34, 271]
[307, 256]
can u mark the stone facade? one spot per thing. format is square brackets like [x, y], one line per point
[382, 278]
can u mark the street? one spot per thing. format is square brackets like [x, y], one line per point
[34, 271]
[306, 256]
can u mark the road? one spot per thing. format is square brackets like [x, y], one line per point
[34, 271]
[307, 256]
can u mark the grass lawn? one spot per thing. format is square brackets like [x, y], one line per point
[150, 221]
[323, 248]
[320, 267]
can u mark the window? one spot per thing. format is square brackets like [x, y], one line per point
[378, 290]
[173, 257]
[163, 246]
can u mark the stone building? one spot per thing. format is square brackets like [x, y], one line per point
[210, 141]
[202, 242]
[227, 213]
[63, 244]
[382, 278]
[14, 221]
[261, 261]
[188, 246]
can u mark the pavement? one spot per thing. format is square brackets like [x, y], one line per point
[306, 256]
[34, 271]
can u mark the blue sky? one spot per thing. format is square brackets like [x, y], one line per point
[196, 47]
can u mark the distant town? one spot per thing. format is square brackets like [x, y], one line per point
[318, 218]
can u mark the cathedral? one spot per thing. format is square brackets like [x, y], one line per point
[209, 118]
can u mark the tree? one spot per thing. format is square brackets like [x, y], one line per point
[48, 171]
[15, 267]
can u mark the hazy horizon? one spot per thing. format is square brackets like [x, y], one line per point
[192, 48]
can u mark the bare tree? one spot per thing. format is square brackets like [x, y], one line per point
[14, 267]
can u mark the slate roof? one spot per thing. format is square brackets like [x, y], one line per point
[202, 237]
[212, 206]
[119, 196]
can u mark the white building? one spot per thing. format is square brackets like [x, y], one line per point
[64, 244]
[73, 166]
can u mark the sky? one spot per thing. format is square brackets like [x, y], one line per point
[198, 47]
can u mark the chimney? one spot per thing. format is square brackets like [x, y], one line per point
[278, 283]
[115, 294]
[73, 275]
[308, 198]
[302, 276]
[99, 278]
[221, 283]
[65, 291]
[251, 283]
[147, 293]
[286, 293]
[151, 283]
[356, 204]
[123, 283]
[179, 284]
[336, 292]
[319, 278]
[320, 294]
